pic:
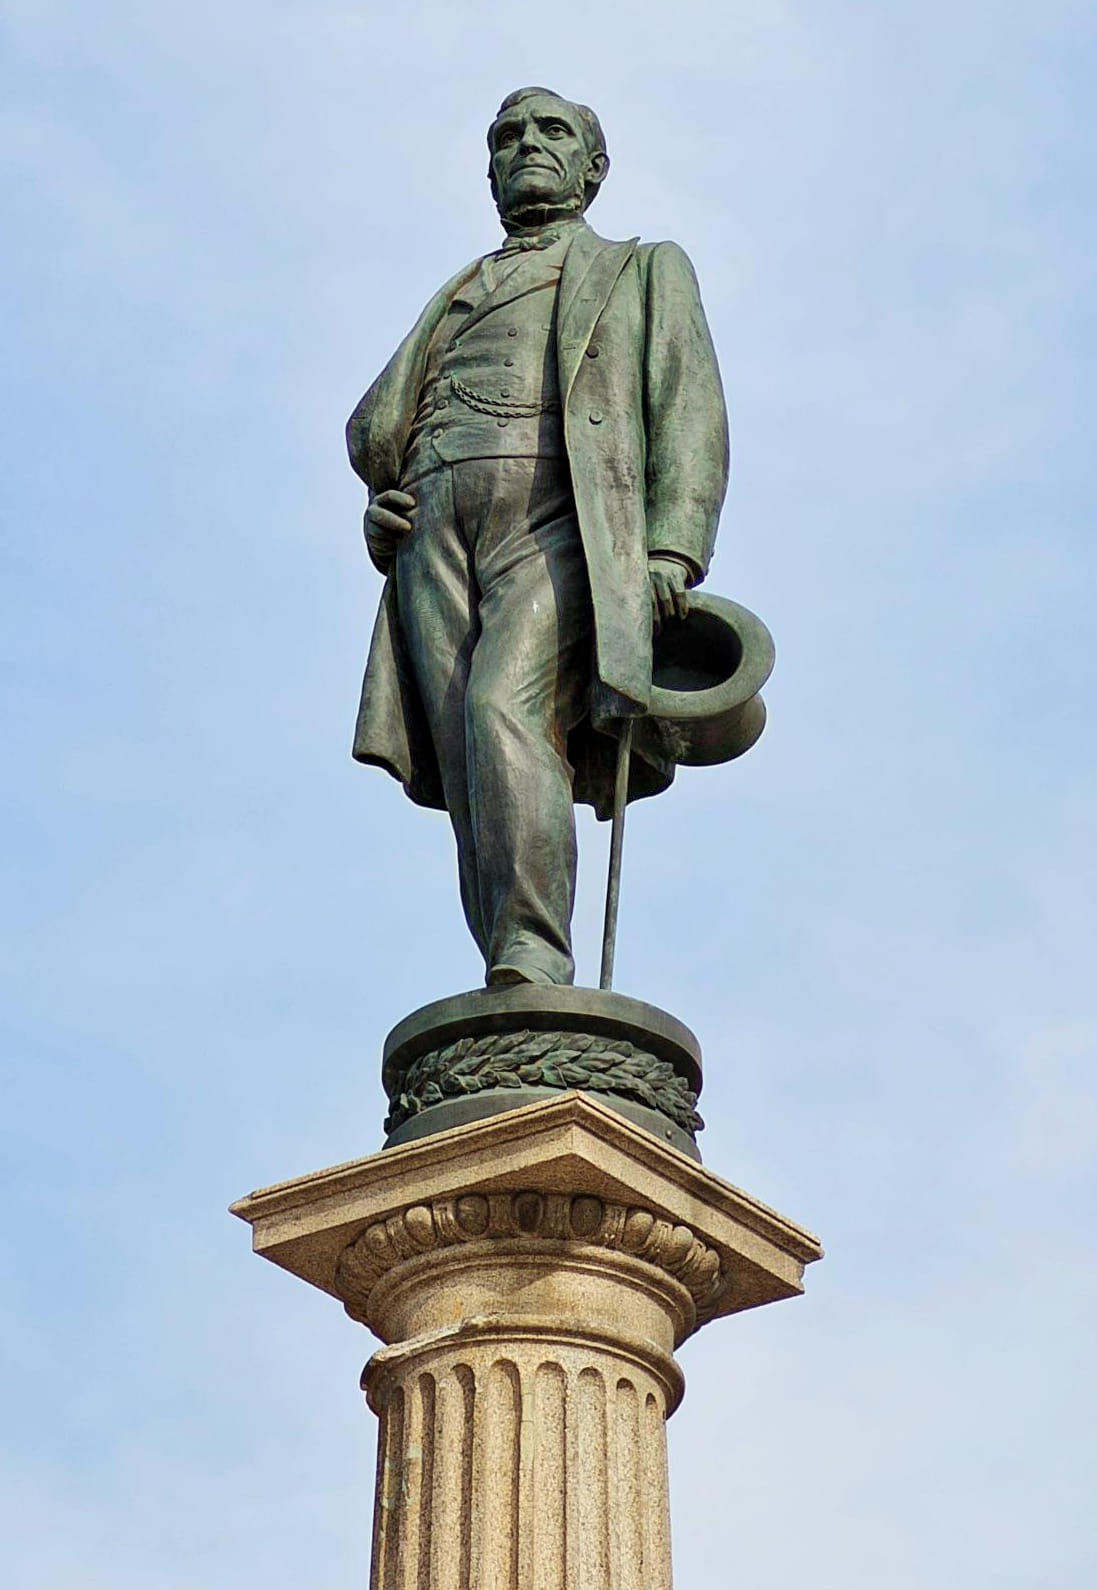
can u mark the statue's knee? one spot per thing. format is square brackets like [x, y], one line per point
[488, 705]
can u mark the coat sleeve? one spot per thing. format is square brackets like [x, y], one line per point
[358, 429]
[685, 418]
[378, 428]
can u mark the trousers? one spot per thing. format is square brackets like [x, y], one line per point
[495, 607]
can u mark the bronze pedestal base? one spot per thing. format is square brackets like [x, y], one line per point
[477, 1055]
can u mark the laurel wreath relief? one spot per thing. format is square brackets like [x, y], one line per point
[543, 1060]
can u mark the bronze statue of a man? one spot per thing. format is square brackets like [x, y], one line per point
[547, 456]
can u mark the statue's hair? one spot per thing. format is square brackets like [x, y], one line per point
[589, 126]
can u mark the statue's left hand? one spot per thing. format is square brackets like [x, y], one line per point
[669, 589]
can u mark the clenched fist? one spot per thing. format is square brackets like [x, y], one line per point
[388, 521]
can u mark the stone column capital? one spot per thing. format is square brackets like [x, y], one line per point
[566, 1169]
[462, 1234]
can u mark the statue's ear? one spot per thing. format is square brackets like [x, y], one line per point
[598, 167]
[594, 176]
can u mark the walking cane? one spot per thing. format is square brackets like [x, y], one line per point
[616, 845]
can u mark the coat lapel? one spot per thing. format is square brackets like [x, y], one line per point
[591, 269]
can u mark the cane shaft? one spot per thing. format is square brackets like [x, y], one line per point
[616, 846]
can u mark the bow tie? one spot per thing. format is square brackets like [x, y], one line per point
[520, 245]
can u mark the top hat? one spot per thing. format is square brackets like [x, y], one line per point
[707, 670]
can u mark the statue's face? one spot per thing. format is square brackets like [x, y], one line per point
[539, 157]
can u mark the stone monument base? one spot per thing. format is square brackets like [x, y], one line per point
[531, 1275]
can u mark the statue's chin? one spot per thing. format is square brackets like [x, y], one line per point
[533, 201]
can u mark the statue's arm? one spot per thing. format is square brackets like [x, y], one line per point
[378, 428]
[358, 429]
[389, 512]
[377, 431]
[685, 417]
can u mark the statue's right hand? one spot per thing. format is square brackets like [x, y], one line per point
[388, 521]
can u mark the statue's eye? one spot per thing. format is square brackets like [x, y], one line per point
[507, 136]
[556, 130]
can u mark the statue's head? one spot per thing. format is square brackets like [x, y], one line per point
[548, 157]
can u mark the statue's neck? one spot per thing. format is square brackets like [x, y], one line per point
[528, 222]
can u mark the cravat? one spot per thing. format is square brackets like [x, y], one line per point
[519, 245]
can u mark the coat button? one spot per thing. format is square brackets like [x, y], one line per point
[508, 363]
[596, 416]
[592, 353]
[512, 331]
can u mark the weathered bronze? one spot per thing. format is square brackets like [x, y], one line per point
[547, 456]
[475, 1055]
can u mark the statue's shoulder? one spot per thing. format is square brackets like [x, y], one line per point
[664, 253]
[458, 279]
[667, 271]
[662, 256]
[588, 248]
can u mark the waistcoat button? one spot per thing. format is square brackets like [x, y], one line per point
[512, 331]
[596, 416]
[504, 391]
[502, 424]
[508, 363]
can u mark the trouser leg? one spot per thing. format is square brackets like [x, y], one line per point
[495, 607]
[437, 600]
[527, 686]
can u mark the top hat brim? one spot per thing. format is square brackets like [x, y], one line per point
[707, 671]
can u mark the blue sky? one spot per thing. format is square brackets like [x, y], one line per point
[219, 221]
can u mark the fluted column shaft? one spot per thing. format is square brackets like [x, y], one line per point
[524, 1395]
[538, 1464]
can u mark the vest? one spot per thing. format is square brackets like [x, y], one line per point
[491, 388]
